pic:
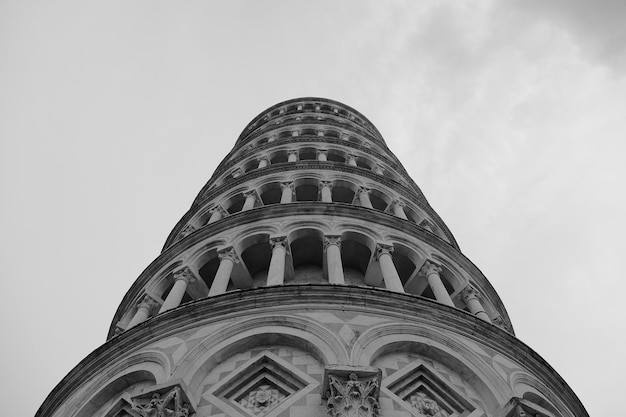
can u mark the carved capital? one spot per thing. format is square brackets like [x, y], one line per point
[399, 203]
[470, 293]
[349, 391]
[237, 173]
[351, 158]
[425, 224]
[364, 190]
[332, 240]
[251, 193]
[292, 153]
[320, 133]
[228, 253]
[263, 158]
[165, 400]
[148, 303]
[289, 184]
[326, 184]
[429, 268]
[383, 249]
[278, 242]
[219, 209]
[184, 274]
[189, 229]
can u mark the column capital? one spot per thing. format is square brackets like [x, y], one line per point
[278, 242]
[237, 173]
[189, 229]
[263, 158]
[184, 274]
[469, 293]
[228, 253]
[251, 193]
[332, 240]
[219, 209]
[399, 203]
[321, 151]
[148, 303]
[383, 249]
[320, 132]
[288, 184]
[326, 184]
[364, 190]
[429, 268]
[292, 152]
[351, 157]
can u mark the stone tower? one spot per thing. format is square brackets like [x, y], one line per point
[310, 277]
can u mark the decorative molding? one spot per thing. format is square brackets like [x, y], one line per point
[167, 400]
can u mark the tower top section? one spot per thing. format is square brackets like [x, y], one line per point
[311, 110]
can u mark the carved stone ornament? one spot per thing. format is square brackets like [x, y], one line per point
[427, 406]
[189, 229]
[354, 397]
[166, 401]
[332, 240]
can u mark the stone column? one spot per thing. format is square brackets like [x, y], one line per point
[388, 269]
[378, 170]
[216, 214]
[228, 259]
[287, 192]
[322, 156]
[182, 278]
[398, 209]
[263, 162]
[332, 247]
[352, 160]
[471, 297]
[326, 191]
[251, 199]
[292, 156]
[237, 173]
[271, 139]
[431, 272]
[276, 272]
[364, 197]
[144, 308]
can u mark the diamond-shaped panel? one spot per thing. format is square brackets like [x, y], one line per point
[421, 391]
[262, 387]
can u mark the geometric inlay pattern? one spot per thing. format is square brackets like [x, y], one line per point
[419, 390]
[264, 386]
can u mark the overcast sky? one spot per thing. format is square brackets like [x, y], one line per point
[510, 115]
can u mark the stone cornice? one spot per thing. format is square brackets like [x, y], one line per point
[285, 299]
[417, 198]
[309, 208]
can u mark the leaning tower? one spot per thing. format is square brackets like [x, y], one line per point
[310, 277]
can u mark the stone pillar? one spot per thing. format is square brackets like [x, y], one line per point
[216, 214]
[271, 139]
[295, 133]
[237, 173]
[251, 199]
[471, 297]
[263, 162]
[287, 192]
[292, 156]
[388, 269]
[320, 133]
[431, 272]
[326, 191]
[364, 197]
[352, 160]
[398, 209]
[322, 156]
[276, 272]
[182, 278]
[228, 259]
[144, 308]
[378, 170]
[332, 247]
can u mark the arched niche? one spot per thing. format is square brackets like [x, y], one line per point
[256, 254]
[430, 344]
[343, 191]
[307, 189]
[306, 248]
[356, 252]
